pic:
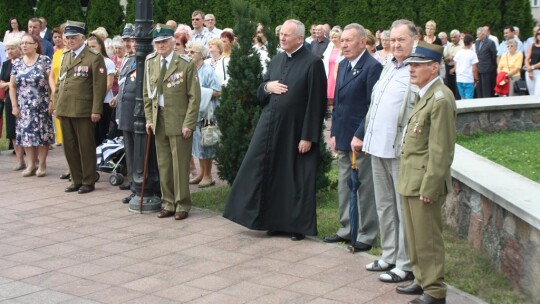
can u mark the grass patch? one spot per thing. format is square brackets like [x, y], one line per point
[466, 269]
[518, 151]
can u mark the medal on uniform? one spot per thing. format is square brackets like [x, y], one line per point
[416, 129]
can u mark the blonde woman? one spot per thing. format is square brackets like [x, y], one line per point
[331, 59]
[219, 63]
[430, 36]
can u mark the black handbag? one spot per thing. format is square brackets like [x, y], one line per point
[520, 87]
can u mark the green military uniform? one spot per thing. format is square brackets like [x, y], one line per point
[80, 92]
[181, 98]
[428, 151]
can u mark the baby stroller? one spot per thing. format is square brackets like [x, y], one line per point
[111, 158]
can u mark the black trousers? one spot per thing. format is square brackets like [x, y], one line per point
[102, 127]
[486, 85]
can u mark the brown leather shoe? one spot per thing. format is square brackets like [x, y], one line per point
[180, 215]
[427, 299]
[410, 289]
[73, 188]
[165, 213]
[86, 188]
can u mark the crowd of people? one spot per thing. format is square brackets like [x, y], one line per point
[390, 96]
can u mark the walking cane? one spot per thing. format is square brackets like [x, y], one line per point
[145, 169]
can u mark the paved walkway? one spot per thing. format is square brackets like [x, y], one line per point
[58, 247]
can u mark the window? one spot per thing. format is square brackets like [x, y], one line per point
[535, 3]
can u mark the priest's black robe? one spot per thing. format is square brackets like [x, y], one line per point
[275, 185]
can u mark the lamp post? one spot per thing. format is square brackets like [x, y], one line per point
[152, 200]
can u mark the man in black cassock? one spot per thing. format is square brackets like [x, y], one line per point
[274, 189]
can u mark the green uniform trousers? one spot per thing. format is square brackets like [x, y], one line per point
[173, 155]
[80, 149]
[425, 244]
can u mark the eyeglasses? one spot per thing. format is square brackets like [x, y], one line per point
[195, 19]
[209, 20]
[537, 33]
[26, 42]
[178, 44]
[511, 46]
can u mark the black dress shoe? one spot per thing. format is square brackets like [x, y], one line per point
[73, 188]
[65, 176]
[358, 247]
[124, 187]
[273, 233]
[126, 200]
[297, 237]
[410, 289]
[427, 299]
[86, 188]
[334, 239]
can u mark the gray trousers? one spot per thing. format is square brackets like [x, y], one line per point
[390, 211]
[367, 213]
[129, 148]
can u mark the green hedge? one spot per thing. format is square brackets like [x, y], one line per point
[466, 16]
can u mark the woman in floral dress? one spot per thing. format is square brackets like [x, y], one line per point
[29, 93]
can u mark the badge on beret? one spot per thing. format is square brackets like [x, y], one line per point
[101, 70]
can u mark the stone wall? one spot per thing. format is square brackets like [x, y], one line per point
[512, 244]
[498, 120]
[497, 210]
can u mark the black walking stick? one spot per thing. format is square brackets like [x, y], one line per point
[145, 169]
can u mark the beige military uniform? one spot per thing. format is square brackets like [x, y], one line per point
[80, 91]
[181, 95]
[428, 151]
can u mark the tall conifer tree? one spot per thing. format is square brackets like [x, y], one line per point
[105, 13]
[21, 9]
[57, 12]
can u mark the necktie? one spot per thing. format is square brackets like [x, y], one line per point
[162, 76]
[72, 57]
[349, 68]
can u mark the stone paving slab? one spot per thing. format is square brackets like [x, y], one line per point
[58, 247]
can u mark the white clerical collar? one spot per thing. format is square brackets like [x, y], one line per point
[355, 61]
[423, 90]
[290, 54]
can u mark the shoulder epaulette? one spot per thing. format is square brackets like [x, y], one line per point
[185, 57]
[439, 95]
[151, 55]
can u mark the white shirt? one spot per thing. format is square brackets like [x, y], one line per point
[464, 60]
[494, 39]
[42, 33]
[220, 67]
[161, 100]
[354, 62]
[386, 102]
[111, 70]
[214, 33]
